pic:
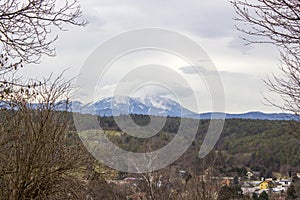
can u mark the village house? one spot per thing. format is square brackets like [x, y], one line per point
[253, 174]
[248, 188]
[265, 185]
[285, 182]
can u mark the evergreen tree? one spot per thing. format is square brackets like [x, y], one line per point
[263, 196]
[255, 196]
[291, 193]
[233, 192]
[236, 180]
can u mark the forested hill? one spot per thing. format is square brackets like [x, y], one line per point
[255, 144]
[272, 144]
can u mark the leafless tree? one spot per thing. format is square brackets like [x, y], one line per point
[26, 34]
[276, 22]
[40, 158]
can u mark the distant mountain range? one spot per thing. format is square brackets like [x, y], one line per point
[160, 106]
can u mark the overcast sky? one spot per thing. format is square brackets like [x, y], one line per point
[209, 23]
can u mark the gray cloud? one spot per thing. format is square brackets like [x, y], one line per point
[195, 70]
[193, 16]
[208, 72]
[210, 23]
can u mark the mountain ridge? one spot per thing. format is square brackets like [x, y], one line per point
[161, 106]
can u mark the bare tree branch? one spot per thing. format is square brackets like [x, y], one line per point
[41, 158]
[26, 34]
[276, 22]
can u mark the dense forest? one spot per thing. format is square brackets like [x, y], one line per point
[259, 145]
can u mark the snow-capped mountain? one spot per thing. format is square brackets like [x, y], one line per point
[170, 107]
[158, 106]
[161, 106]
[118, 105]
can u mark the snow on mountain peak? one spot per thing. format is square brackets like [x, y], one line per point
[159, 102]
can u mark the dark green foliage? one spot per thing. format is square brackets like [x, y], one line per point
[263, 196]
[255, 196]
[236, 180]
[295, 178]
[291, 193]
[239, 171]
[261, 145]
[230, 192]
[268, 173]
